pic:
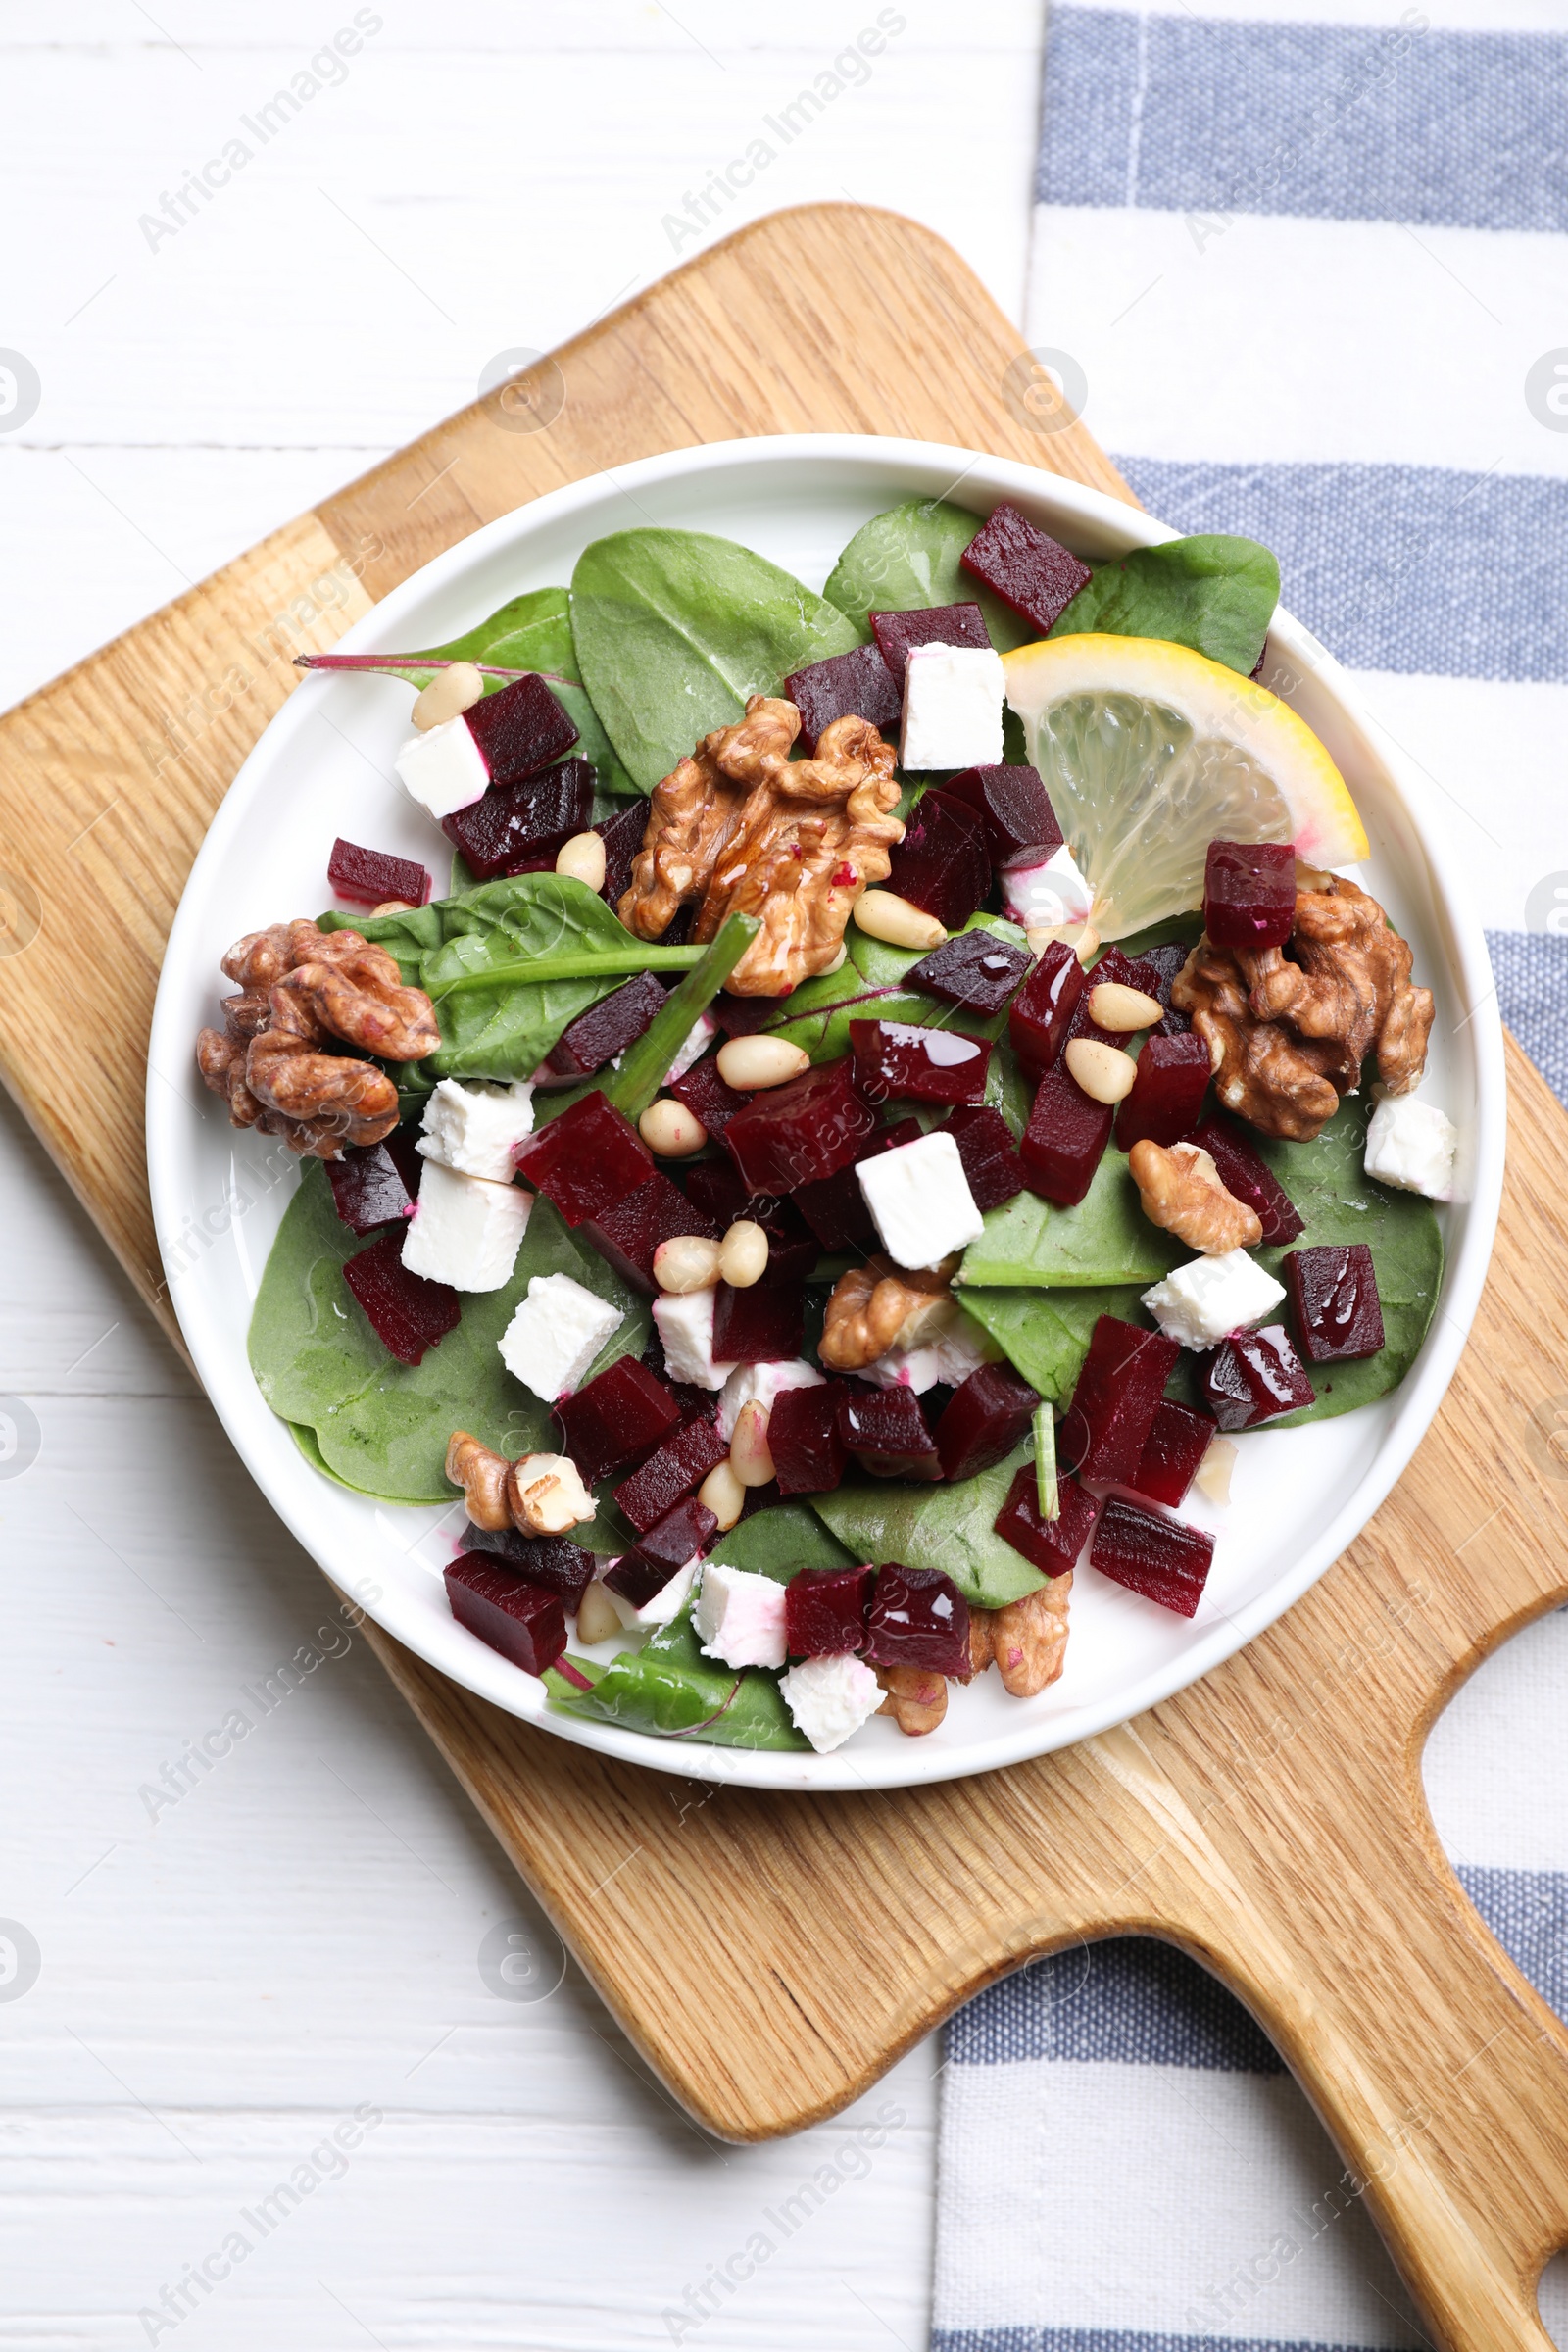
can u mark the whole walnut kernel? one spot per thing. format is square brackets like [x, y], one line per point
[301, 989]
[739, 827]
[1288, 1029]
[1183, 1191]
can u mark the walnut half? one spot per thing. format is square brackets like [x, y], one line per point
[739, 827]
[1027, 1640]
[879, 1306]
[1183, 1190]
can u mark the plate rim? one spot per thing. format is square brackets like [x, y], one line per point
[229, 1384]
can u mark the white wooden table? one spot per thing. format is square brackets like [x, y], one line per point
[220, 1950]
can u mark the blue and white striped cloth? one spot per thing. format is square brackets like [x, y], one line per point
[1308, 281]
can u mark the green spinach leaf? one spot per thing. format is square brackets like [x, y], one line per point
[906, 561]
[382, 1426]
[950, 1528]
[1105, 1238]
[532, 631]
[1046, 1334]
[1216, 593]
[673, 630]
[780, 1541]
[669, 1688]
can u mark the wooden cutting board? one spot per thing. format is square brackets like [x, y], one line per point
[1271, 1820]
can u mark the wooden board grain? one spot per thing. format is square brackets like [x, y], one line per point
[1270, 1820]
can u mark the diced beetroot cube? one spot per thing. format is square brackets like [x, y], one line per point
[368, 1187]
[1177, 1442]
[974, 969]
[586, 1160]
[930, 1066]
[1254, 1377]
[518, 828]
[1123, 1378]
[607, 1028]
[1065, 1140]
[764, 1324]
[797, 1134]
[713, 1187]
[1014, 807]
[984, 1419]
[887, 1432]
[629, 1231]
[1164, 964]
[1051, 1546]
[661, 1551]
[365, 877]
[406, 1313]
[802, 1437]
[1249, 893]
[917, 1617]
[1167, 1093]
[520, 731]
[623, 1413]
[1244, 1171]
[824, 1608]
[1028, 569]
[550, 1560]
[941, 864]
[623, 837]
[1163, 1559]
[858, 684]
[895, 633]
[835, 1207]
[671, 1472]
[708, 1099]
[1041, 1013]
[743, 1016]
[1334, 1297]
[991, 1163]
[524, 1622]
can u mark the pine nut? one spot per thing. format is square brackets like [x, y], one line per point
[1111, 1005]
[597, 1615]
[668, 1128]
[449, 692]
[394, 907]
[748, 1455]
[1105, 1072]
[688, 1262]
[882, 914]
[1082, 937]
[748, 1064]
[743, 1259]
[722, 1493]
[583, 858]
[837, 965]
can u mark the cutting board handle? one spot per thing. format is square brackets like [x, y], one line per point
[1436, 2069]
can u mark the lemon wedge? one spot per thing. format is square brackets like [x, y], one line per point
[1150, 751]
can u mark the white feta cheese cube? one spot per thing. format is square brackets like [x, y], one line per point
[1048, 897]
[759, 1383]
[465, 1230]
[686, 1332]
[1411, 1144]
[555, 1335]
[1204, 1301]
[703, 1029]
[830, 1698]
[953, 698]
[444, 770]
[920, 1201]
[666, 1603]
[740, 1616]
[476, 1127]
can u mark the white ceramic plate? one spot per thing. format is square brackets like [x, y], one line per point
[324, 768]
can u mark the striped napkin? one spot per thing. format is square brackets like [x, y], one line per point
[1306, 280]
